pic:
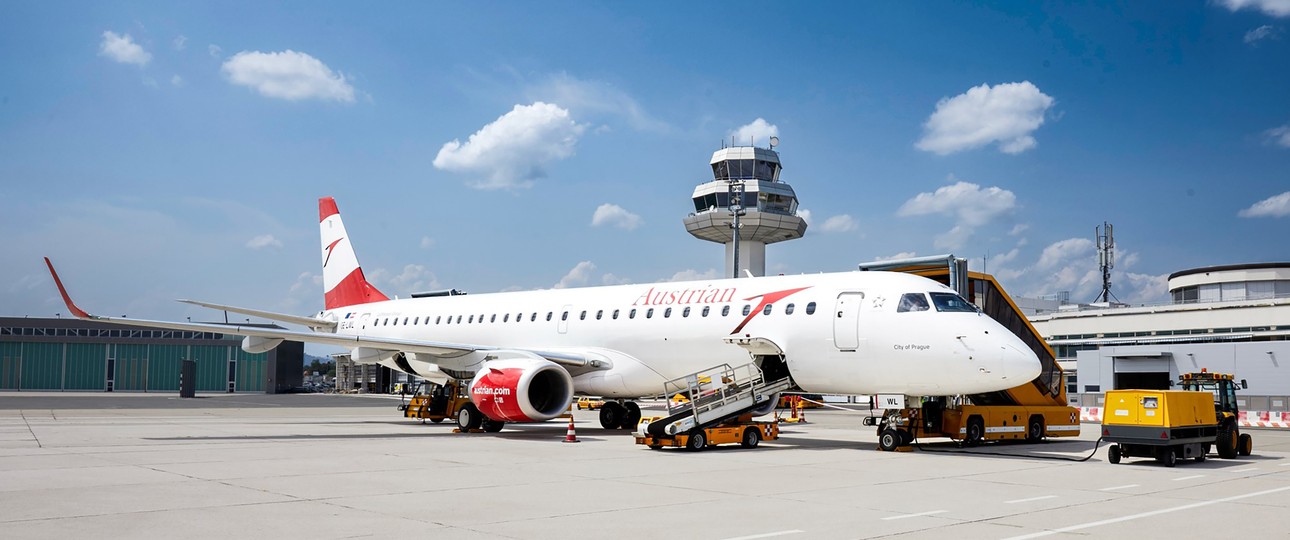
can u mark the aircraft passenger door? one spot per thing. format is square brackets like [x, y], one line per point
[846, 321]
[564, 314]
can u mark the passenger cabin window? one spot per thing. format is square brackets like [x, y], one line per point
[438, 318]
[950, 302]
[810, 308]
[912, 302]
[396, 321]
[459, 319]
[506, 317]
[667, 313]
[706, 310]
[405, 321]
[548, 316]
[582, 316]
[417, 321]
[564, 316]
[788, 310]
[766, 311]
[533, 317]
[600, 313]
[725, 310]
[649, 313]
[747, 309]
[615, 314]
[685, 312]
[470, 320]
[492, 318]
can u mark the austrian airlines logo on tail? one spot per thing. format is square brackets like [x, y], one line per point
[766, 299]
[330, 247]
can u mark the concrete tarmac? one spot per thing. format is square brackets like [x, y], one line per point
[332, 466]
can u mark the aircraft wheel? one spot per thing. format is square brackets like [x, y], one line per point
[632, 416]
[611, 415]
[1245, 444]
[469, 417]
[492, 426]
[1113, 454]
[697, 441]
[889, 440]
[752, 437]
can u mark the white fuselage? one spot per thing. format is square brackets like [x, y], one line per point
[844, 333]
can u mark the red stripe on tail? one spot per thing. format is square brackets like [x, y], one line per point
[354, 289]
[326, 208]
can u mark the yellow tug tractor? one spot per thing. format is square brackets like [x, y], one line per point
[1169, 425]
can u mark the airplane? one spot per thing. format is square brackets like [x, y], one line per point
[526, 354]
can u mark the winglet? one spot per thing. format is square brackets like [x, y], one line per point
[71, 306]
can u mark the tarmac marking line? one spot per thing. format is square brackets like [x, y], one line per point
[1245, 470]
[1189, 477]
[1113, 488]
[767, 535]
[1031, 499]
[903, 516]
[1131, 517]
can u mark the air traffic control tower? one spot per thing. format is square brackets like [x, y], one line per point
[745, 207]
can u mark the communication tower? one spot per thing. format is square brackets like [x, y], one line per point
[745, 207]
[1105, 258]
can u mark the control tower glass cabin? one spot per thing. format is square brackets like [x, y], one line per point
[748, 176]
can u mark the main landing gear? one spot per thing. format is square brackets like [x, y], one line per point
[620, 415]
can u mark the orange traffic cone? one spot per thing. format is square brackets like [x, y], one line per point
[571, 436]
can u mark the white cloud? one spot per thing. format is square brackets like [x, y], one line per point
[512, 151]
[1253, 37]
[837, 224]
[264, 241]
[805, 215]
[288, 75]
[1276, 8]
[1064, 251]
[214, 50]
[587, 97]
[413, 278]
[177, 81]
[1018, 229]
[1006, 114]
[1279, 136]
[758, 132]
[123, 49]
[1274, 206]
[427, 242]
[1145, 288]
[690, 274]
[901, 255]
[180, 42]
[612, 214]
[577, 276]
[610, 279]
[970, 205]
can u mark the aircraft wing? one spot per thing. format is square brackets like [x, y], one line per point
[312, 322]
[443, 349]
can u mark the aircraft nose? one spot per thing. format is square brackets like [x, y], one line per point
[1019, 363]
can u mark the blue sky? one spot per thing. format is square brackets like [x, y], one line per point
[159, 151]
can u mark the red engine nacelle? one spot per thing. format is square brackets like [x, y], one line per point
[521, 390]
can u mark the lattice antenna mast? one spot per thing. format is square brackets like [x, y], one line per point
[1105, 257]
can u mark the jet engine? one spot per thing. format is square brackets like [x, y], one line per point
[521, 390]
[256, 345]
[768, 406]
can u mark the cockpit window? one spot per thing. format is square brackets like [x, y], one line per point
[914, 301]
[951, 302]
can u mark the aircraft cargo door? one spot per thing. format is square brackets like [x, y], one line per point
[846, 321]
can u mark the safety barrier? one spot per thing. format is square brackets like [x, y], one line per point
[1264, 419]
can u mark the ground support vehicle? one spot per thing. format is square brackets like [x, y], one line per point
[719, 406]
[449, 401]
[1169, 425]
[589, 403]
[742, 429]
[1029, 412]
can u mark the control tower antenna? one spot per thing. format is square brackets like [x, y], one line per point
[1105, 258]
[745, 206]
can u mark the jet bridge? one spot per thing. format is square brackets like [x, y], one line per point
[713, 396]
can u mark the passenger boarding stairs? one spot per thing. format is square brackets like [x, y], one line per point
[714, 395]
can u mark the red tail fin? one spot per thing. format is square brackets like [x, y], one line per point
[343, 278]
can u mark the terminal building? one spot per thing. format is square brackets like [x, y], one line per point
[40, 354]
[1226, 319]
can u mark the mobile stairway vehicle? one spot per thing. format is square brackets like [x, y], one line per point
[721, 402]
